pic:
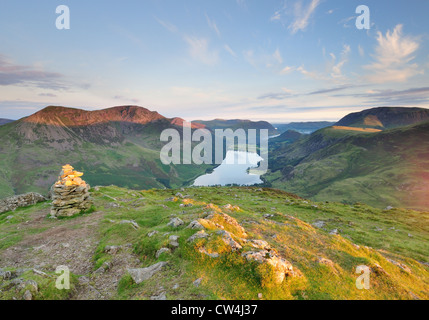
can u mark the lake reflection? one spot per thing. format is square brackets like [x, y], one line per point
[233, 170]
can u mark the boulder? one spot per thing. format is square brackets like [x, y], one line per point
[175, 223]
[161, 251]
[142, 274]
[174, 241]
[281, 267]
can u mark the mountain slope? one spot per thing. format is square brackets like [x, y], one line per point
[100, 247]
[304, 127]
[118, 145]
[385, 117]
[238, 124]
[5, 121]
[389, 168]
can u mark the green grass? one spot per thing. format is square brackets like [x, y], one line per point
[289, 231]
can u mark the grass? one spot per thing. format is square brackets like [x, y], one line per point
[288, 229]
[231, 277]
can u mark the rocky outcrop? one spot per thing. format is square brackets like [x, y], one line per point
[281, 267]
[235, 238]
[142, 274]
[70, 194]
[23, 200]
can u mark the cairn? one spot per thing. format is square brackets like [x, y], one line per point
[70, 194]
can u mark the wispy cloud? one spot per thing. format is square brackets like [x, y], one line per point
[337, 66]
[15, 74]
[212, 24]
[167, 25]
[230, 51]
[302, 15]
[199, 50]
[393, 57]
[410, 96]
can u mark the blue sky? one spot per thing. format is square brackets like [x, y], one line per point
[279, 61]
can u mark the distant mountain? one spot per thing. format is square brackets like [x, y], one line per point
[238, 124]
[5, 121]
[386, 168]
[288, 136]
[385, 117]
[119, 145]
[303, 127]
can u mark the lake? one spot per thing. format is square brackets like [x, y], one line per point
[233, 170]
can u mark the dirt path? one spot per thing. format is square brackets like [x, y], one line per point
[70, 243]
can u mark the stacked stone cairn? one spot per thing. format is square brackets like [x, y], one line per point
[70, 194]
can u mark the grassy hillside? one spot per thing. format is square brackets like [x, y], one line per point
[388, 168]
[120, 153]
[99, 247]
[385, 117]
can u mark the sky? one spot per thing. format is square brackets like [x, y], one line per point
[280, 61]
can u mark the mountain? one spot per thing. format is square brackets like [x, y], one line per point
[238, 124]
[303, 127]
[211, 252]
[119, 145]
[385, 117]
[4, 121]
[386, 168]
[288, 136]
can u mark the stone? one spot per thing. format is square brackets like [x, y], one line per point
[229, 240]
[325, 262]
[334, 232]
[70, 194]
[83, 280]
[179, 195]
[151, 234]
[131, 222]
[281, 267]
[111, 249]
[33, 284]
[319, 224]
[161, 251]
[27, 295]
[197, 282]
[195, 225]
[174, 241]
[104, 267]
[211, 255]
[389, 208]
[161, 296]
[143, 274]
[19, 201]
[199, 235]
[175, 223]
[260, 244]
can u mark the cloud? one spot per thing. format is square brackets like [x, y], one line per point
[230, 51]
[287, 70]
[14, 74]
[361, 51]
[337, 67]
[278, 56]
[125, 99]
[50, 95]
[302, 15]
[409, 96]
[212, 25]
[199, 50]
[393, 55]
[167, 25]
